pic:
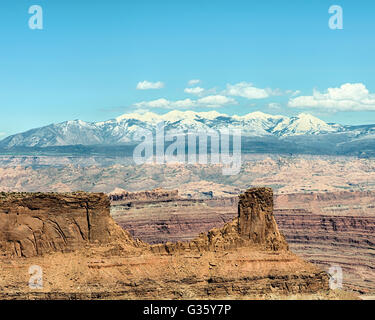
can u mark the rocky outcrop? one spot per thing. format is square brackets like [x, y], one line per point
[84, 255]
[330, 229]
[33, 224]
[256, 221]
[255, 225]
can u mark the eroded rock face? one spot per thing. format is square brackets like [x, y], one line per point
[255, 225]
[33, 224]
[91, 257]
[256, 221]
[327, 229]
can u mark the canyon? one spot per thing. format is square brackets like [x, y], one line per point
[84, 254]
[328, 229]
[323, 205]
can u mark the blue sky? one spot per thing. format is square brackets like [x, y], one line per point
[266, 55]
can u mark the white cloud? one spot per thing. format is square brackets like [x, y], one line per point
[214, 101]
[183, 104]
[348, 97]
[274, 105]
[146, 85]
[248, 91]
[2, 134]
[193, 82]
[293, 92]
[195, 90]
[159, 103]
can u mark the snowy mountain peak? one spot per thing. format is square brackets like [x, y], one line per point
[128, 128]
[309, 117]
[172, 116]
[257, 115]
[302, 124]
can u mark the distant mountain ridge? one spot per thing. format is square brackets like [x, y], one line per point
[303, 129]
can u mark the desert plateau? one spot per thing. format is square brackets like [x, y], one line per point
[85, 255]
[326, 223]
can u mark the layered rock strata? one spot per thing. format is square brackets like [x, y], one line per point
[33, 224]
[246, 258]
[255, 225]
[330, 229]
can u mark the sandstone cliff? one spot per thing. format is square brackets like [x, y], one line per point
[330, 229]
[256, 221]
[84, 255]
[39, 223]
[255, 225]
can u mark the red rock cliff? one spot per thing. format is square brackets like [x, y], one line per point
[33, 224]
[256, 221]
[255, 225]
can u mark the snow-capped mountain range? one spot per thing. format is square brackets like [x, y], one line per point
[128, 128]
